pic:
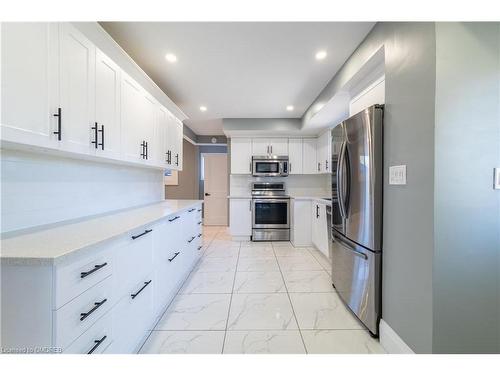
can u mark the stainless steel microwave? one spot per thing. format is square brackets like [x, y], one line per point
[270, 166]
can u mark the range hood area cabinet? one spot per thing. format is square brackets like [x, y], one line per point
[303, 153]
[62, 94]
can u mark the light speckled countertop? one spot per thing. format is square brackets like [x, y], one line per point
[52, 245]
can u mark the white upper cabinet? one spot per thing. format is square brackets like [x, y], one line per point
[77, 75]
[29, 83]
[131, 111]
[60, 92]
[107, 106]
[270, 146]
[324, 152]
[296, 157]
[241, 155]
[309, 163]
[161, 140]
[260, 146]
[279, 146]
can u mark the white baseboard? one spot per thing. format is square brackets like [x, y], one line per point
[391, 342]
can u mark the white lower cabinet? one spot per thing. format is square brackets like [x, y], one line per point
[240, 217]
[103, 299]
[319, 230]
[300, 225]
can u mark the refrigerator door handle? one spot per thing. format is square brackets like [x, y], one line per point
[340, 180]
[347, 246]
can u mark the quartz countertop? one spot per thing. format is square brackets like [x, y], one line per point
[55, 244]
[311, 198]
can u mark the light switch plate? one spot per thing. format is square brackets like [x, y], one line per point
[496, 178]
[397, 175]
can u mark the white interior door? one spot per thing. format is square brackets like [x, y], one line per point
[215, 167]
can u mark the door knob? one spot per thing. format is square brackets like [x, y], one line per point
[207, 194]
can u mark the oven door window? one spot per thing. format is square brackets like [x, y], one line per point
[266, 167]
[271, 213]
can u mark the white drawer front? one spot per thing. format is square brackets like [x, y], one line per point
[132, 318]
[95, 340]
[74, 278]
[133, 262]
[74, 318]
[167, 238]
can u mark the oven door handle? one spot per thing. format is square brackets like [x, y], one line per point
[270, 200]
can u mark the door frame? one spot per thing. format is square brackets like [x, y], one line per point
[202, 155]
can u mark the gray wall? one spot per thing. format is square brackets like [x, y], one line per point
[408, 139]
[219, 149]
[467, 209]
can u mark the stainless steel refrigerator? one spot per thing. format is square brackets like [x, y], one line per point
[357, 182]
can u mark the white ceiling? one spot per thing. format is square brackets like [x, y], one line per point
[239, 70]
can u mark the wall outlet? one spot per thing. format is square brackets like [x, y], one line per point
[397, 175]
[496, 178]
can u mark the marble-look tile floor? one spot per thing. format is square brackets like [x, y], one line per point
[258, 297]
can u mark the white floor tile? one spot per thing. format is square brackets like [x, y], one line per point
[184, 342]
[322, 311]
[261, 312]
[263, 342]
[291, 251]
[299, 263]
[208, 282]
[308, 281]
[208, 264]
[341, 342]
[259, 282]
[322, 259]
[196, 312]
[256, 252]
[258, 264]
[222, 252]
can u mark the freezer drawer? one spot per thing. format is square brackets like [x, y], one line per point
[356, 277]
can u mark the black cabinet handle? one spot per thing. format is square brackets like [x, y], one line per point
[96, 268]
[326, 164]
[207, 194]
[146, 150]
[199, 222]
[94, 128]
[175, 255]
[169, 157]
[97, 343]
[191, 240]
[174, 219]
[102, 137]
[199, 210]
[199, 247]
[176, 159]
[142, 234]
[146, 283]
[317, 211]
[85, 315]
[59, 122]
[192, 209]
[143, 153]
[319, 166]
[199, 235]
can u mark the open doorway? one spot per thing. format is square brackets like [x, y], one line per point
[215, 180]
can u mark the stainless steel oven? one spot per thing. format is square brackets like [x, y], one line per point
[270, 212]
[270, 166]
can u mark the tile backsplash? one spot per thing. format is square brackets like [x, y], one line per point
[39, 189]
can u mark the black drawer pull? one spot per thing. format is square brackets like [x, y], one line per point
[146, 283]
[174, 219]
[199, 222]
[85, 315]
[96, 268]
[142, 234]
[199, 235]
[192, 209]
[96, 345]
[199, 210]
[175, 255]
[199, 247]
[191, 240]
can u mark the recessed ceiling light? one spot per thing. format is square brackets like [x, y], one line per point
[171, 57]
[203, 108]
[289, 107]
[320, 55]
